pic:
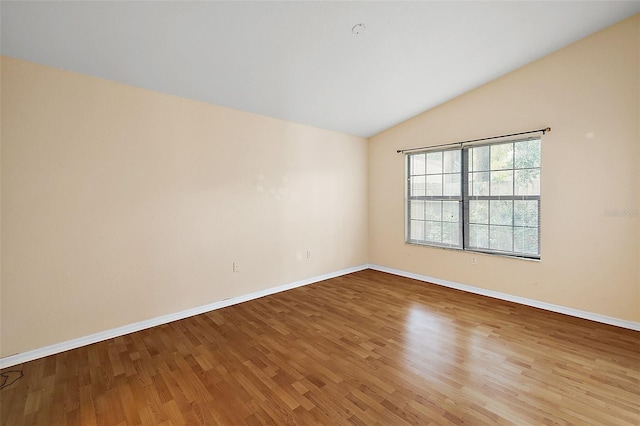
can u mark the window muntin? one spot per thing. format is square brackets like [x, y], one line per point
[481, 198]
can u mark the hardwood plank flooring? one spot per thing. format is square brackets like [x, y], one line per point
[364, 349]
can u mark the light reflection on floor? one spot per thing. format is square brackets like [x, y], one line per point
[433, 345]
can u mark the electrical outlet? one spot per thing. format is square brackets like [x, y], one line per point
[308, 254]
[236, 267]
[474, 260]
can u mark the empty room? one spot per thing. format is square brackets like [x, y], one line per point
[320, 213]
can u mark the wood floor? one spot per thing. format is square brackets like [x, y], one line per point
[366, 348]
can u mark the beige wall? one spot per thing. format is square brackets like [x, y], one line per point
[589, 94]
[638, 148]
[121, 204]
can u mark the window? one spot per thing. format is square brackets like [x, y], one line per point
[483, 198]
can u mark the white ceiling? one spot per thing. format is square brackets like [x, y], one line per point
[299, 61]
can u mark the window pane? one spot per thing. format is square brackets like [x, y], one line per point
[501, 238]
[501, 212]
[416, 231]
[452, 185]
[418, 164]
[417, 186]
[479, 183]
[479, 159]
[527, 154]
[434, 162]
[433, 231]
[527, 182]
[434, 185]
[479, 211]
[451, 211]
[434, 210]
[525, 213]
[502, 183]
[525, 240]
[479, 236]
[502, 156]
[417, 209]
[452, 161]
[451, 233]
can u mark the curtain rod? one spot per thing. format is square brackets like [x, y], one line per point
[545, 130]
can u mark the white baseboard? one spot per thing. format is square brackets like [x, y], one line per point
[131, 328]
[632, 325]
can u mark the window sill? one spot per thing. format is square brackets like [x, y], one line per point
[461, 250]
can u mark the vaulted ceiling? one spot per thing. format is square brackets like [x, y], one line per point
[302, 61]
